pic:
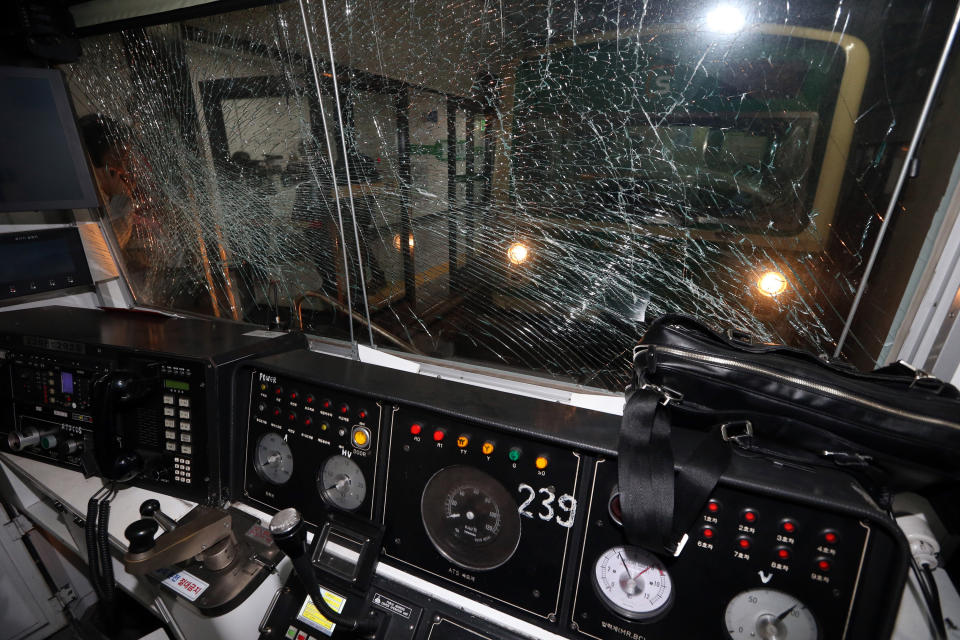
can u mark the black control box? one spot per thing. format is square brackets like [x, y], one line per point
[121, 392]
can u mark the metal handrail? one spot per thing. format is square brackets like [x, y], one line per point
[298, 304]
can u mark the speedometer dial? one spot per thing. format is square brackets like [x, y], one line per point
[768, 614]
[470, 518]
[633, 583]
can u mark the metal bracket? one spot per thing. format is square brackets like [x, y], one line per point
[65, 596]
[743, 438]
[667, 395]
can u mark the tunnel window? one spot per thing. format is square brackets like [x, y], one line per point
[521, 184]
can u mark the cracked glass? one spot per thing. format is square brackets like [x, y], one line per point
[519, 184]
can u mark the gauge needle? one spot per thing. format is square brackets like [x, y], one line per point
[786, 613]
[642, 572]
[624, 564]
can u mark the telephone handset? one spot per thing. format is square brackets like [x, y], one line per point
[115, 459]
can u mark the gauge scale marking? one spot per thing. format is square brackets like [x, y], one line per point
[768, 614]
[470, 518]
[633, 583]
[273, 460]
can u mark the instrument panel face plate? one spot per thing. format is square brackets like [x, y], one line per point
[310, 446]
[482, 474]
[713, 569]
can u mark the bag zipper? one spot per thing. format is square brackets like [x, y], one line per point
[806, 384]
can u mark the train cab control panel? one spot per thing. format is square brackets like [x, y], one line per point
[511, 504]
[126, 395]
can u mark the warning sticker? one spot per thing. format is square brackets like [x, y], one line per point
[311, 616]
[391, 606]
[182, 583]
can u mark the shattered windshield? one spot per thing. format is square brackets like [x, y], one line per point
[519, 184]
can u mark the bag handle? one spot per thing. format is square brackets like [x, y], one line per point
[658, 504]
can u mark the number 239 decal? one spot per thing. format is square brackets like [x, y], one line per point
[565, 504]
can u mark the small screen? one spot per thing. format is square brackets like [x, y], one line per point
[177, 384]
[66, 382]
[43, 165]
[39, 259]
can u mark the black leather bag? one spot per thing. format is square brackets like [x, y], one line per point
[895, 427]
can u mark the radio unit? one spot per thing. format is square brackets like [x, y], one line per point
[127, 396]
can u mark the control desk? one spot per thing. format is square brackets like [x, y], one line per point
[511, 503]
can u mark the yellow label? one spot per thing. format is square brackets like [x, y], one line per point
[312, 616]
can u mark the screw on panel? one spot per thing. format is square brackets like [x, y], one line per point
[574, 626]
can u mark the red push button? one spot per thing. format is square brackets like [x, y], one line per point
[788, 526]
[749, 516]
[824, 565]
[743, 543]
[783, 553]
[707, 533]
[713, 506]
[830, 537]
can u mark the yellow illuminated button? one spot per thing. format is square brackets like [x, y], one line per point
[487, 448]
[541, 462]
[463, 441]
[361, 437]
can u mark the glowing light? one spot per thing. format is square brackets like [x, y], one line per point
[518, 253]
[725, 19]
[396, 242]
[772, 283]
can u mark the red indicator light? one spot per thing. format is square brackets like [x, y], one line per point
[788, 526]
[310, 398]
[327, 404]
[362, 414]
[823, 565]
[276, 413]
[278, 391]
[713, 506]
[344, 408]
[438, 435]
[743, 543]
[291, 417]
[308, 421]
[294, 395]
[830, 537]
[783, 554]
[415, 429]
[750, 516]
[707, 533]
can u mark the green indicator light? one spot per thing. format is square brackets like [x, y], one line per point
[514, 454]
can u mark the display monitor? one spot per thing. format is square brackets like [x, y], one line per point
[42, 163]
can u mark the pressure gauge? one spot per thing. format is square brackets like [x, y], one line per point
[633, 583]
[768, 614]
[273, 460]
[342, 483]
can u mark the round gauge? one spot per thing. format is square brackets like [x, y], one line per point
[342, 483]
[633, 583]
[273, 459]
[768, 614]
[470, 518]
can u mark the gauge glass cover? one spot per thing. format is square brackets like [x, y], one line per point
[342, 484]
[273, 460]
[766, 614]
[633, 583]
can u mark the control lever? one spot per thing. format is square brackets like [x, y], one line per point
[208, 534]
[151, 509]
[290, 535]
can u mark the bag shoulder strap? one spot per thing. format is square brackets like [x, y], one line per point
[658, 504]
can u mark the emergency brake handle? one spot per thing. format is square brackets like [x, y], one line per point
[290, 535]
[197, 534]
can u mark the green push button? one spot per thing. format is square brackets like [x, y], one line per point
[514, 454]
[292, 632]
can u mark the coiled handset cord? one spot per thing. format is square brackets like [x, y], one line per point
[97, 538]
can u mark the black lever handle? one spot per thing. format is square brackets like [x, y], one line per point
[290, 536]
[140, 534]
[151, 509]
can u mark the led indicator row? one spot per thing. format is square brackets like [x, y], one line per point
[487, 448]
